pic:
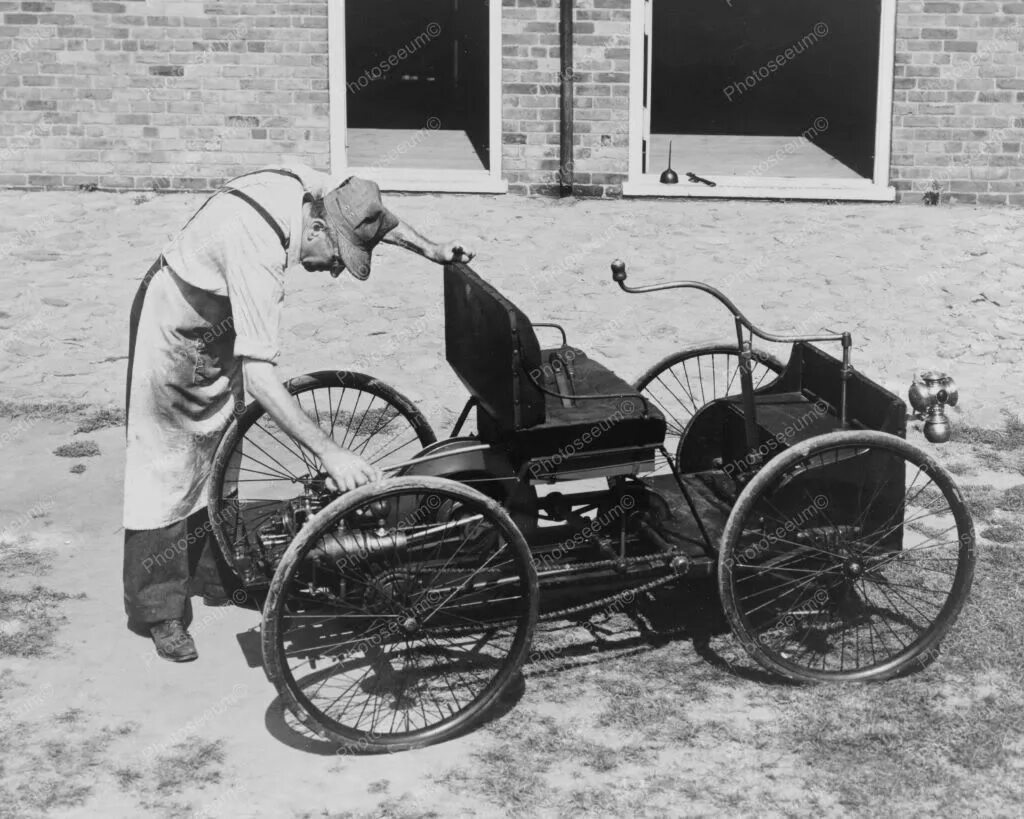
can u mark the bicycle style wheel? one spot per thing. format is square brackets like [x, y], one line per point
[260, 472]
[399, 614]
[848, 557]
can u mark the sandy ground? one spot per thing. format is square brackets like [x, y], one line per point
[918, 287]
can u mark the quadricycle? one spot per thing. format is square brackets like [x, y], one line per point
[396, 615]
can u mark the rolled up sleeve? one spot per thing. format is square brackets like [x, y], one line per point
[254, 271]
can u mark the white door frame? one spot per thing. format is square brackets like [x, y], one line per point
[876, 189]
[412, 179]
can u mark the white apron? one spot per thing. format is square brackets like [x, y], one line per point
[184, 367]
[184, 387]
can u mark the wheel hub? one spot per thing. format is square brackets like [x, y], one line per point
[411, 625]
[853, 568]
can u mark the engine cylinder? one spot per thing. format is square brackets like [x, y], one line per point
[361, 544]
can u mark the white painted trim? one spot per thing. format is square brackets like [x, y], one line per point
[876, 189]
[495, 92]
[886, 72]
[412, 179]
[766, 188]
[636, 87]
[423, 180]
[336, 97]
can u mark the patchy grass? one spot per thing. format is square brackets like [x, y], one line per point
[29, 620]
[70, 716]
[945, 741]
[17, 558]
[405, 806]
[985, 502]
[101, 419]
[78, 449]
[962, 468]
[647, 728]
[982, 499]
[42, 777]
[49, 411]
[1005, 532]
[77, 469]
[1011, 436]
[193, 763]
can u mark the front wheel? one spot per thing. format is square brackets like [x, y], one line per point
[846, 558]
[399, 614]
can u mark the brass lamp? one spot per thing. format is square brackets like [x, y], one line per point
[930, 394]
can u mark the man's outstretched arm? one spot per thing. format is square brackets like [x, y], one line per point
[345, 468]
[404, 235]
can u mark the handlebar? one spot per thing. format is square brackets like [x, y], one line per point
[619, 276]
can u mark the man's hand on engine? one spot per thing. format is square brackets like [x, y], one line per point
[346, 470]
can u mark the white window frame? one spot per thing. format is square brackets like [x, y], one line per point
[412, 179]
[876, 189]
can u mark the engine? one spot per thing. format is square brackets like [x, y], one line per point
[273, 537]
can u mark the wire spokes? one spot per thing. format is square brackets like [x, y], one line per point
[402, 627]
[853, 581]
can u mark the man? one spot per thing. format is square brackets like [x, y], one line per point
[204, 328]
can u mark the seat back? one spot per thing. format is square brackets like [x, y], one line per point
[491, 346]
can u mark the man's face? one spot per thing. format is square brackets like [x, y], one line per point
[319, 251]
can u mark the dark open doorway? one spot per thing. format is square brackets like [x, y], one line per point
[764, 87]
[417, 77]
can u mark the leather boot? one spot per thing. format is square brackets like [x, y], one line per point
[173, 642]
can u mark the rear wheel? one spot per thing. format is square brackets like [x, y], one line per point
[685, 382]
[260, 471]
[846, 558]
[399, 614]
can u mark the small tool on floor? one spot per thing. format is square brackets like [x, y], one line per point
[694, 178]
[668, 176]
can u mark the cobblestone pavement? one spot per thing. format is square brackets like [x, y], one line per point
[916, 286]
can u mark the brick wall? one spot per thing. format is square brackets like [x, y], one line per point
[179, 95]
[958, 117]
[531, 102]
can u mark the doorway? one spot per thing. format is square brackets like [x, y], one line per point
[765, 94]
[417, 84]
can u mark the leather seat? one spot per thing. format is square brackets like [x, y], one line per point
[612, 422]
[491, 345]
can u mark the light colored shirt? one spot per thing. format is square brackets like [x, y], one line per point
[228, 249]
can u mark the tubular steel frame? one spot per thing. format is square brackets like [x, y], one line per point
[745, 348]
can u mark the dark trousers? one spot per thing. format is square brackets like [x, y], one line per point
[164, 567]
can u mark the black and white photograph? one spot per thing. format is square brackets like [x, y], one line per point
[416, 409]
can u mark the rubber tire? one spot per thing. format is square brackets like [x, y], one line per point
[275, 665]
[242, 423]
[947, 616]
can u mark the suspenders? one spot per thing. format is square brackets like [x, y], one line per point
[262, 211]
[136, 311]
